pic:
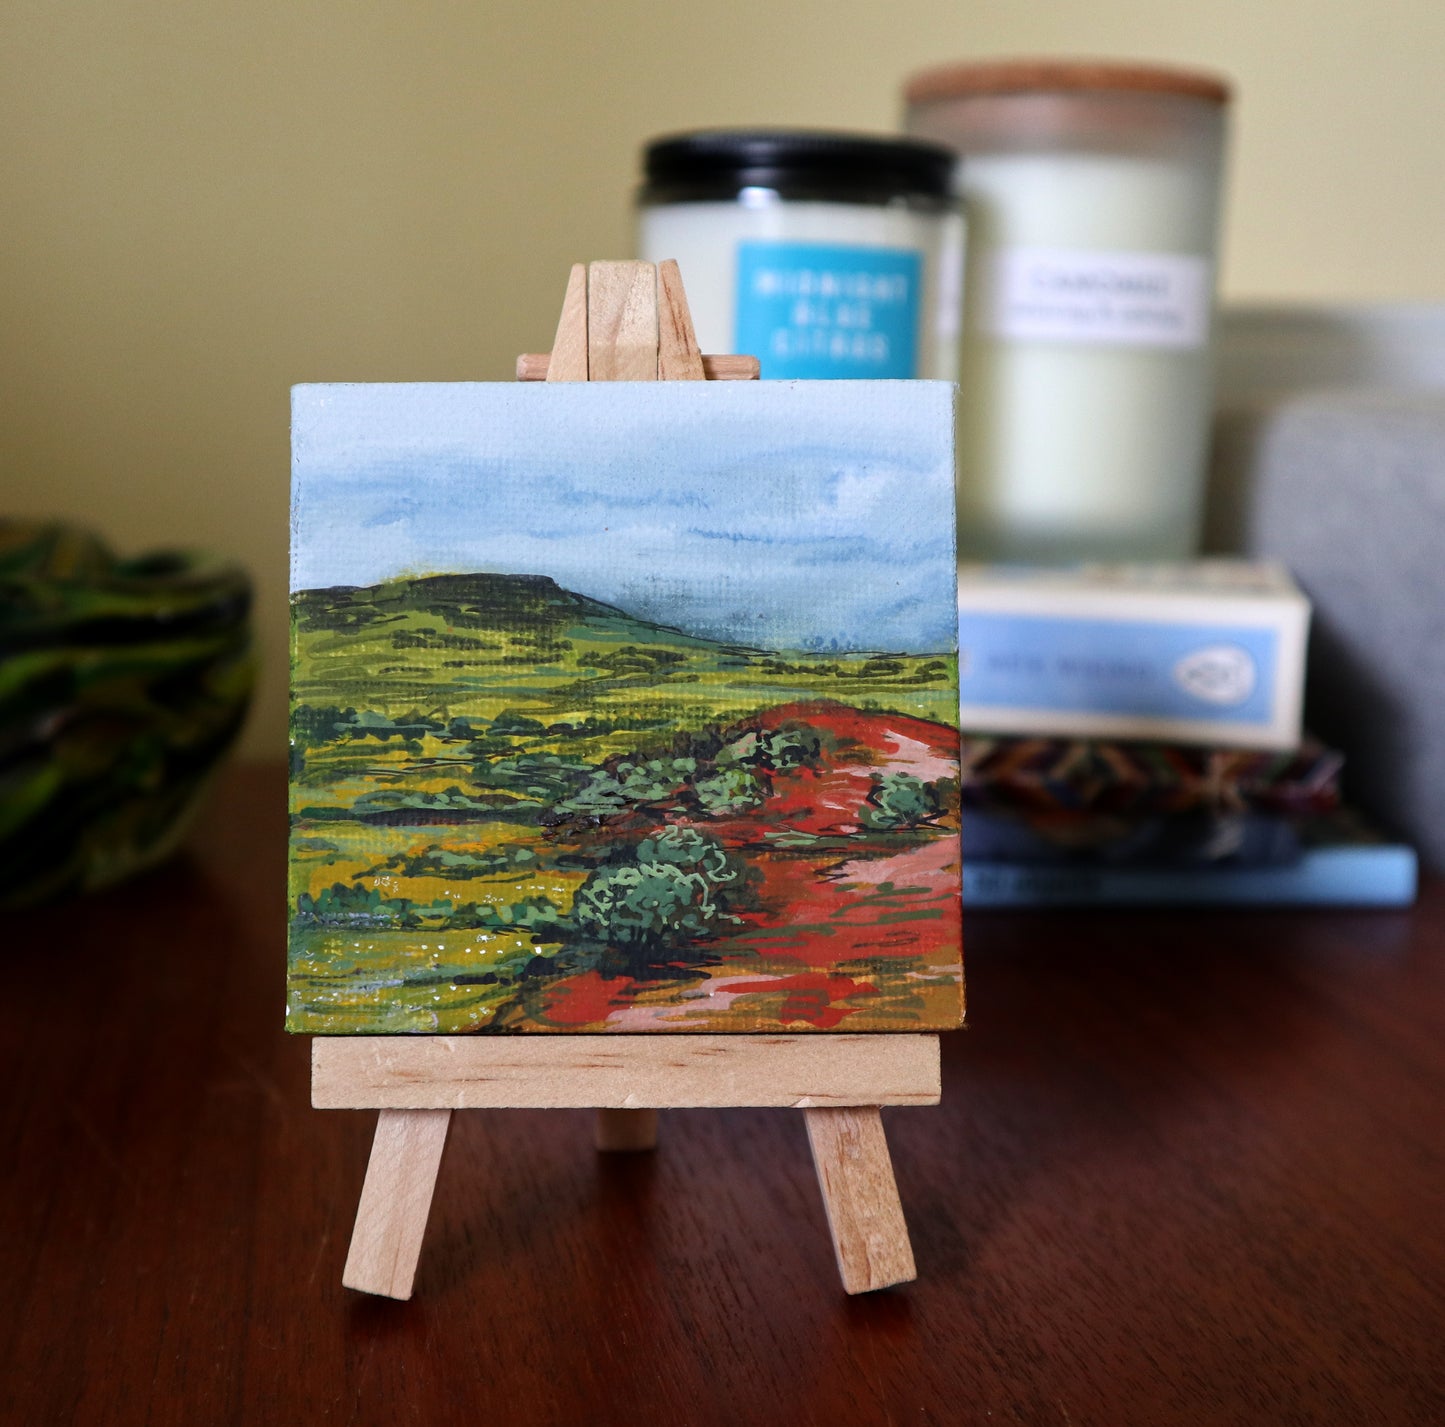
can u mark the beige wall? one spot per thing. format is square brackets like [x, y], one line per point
[203, 203]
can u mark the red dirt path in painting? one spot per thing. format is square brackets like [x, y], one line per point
[829, 800]
[863, 898]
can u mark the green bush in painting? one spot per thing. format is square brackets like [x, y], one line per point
[689, 848]
[631, 783]
[655, 779]
[311, 726]
[507, 859]
[599, 798]
[535, 914]
[775, 750]
[899, 800]
[543, 776]
[510, 721]
[399, 805]
[730, 790]
[630, 659]
[355, 907]
[930, 671]
[672, 893]
[638, 904]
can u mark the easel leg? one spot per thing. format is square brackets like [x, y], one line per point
[865, 1217]
[395, 1201]
[626, 1129]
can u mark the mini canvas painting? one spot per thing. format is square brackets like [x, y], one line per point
[624, 707]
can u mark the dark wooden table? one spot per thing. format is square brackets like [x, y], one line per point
[1188, 1169]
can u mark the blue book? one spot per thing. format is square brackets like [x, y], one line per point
[1354, 874]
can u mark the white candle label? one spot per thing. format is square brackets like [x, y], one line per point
[810, 310]
[1112, 299]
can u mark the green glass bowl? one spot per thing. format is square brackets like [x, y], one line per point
[122, 685]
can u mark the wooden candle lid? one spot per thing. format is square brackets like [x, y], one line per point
[1053, 76]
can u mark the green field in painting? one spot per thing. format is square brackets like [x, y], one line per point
[514, 807]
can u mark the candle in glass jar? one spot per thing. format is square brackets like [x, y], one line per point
[1091, 198]
[822, 254]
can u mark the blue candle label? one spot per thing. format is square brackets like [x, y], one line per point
[809, 310]
[1115, 299]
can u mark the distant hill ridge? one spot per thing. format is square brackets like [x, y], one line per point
[479, 644]
[480, 599]
[528, 607]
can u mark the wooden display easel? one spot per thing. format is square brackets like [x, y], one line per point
[627, 321]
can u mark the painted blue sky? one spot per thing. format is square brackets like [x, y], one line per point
[785, 515]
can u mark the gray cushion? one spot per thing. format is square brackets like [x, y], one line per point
[1347, 487]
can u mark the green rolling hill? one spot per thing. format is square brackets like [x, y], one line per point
[476, 646]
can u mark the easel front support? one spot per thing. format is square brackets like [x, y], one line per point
[865, 1215]
[838, 1081]
[395, 1201]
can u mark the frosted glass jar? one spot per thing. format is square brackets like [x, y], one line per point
[1091, 192]
[822, 254]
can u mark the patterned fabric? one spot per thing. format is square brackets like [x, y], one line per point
[1083, 793]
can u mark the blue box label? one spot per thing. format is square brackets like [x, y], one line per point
[810, 310]
[1217, 674]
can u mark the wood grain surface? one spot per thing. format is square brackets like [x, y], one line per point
[567, 361]
[658, 1070]
[722, 367]
[860, 1197]
[1188, 1168]
[621, 322]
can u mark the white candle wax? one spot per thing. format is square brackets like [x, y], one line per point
[1082, 427]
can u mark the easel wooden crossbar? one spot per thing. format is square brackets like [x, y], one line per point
[627, 321]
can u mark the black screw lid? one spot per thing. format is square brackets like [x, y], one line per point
[797, 163]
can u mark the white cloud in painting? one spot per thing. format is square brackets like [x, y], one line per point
[778, 514]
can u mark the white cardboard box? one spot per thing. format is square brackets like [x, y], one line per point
[1209, 652]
